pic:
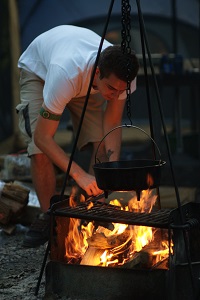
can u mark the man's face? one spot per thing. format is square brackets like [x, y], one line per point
[110, 88]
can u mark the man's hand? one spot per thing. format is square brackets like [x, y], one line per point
[89, 184]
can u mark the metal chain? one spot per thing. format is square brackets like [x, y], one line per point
[126, 49]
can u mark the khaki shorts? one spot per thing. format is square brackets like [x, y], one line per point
[31, 95]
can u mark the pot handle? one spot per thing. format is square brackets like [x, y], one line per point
[128, 126]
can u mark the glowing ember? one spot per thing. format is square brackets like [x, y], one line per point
[115, 244]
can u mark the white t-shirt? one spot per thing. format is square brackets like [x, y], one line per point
[64, 58]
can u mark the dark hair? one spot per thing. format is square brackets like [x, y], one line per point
[113, 60]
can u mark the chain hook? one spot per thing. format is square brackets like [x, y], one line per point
[126, 49]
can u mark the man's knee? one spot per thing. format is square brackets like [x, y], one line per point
[40, 159]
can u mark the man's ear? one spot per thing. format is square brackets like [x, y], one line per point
[97, 72]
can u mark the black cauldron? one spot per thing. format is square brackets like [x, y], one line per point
[131, 175]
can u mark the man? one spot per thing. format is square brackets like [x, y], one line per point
[55, 73]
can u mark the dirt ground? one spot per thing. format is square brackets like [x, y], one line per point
[20, 267]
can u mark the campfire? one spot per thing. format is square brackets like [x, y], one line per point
[122, 249]
[115, 244]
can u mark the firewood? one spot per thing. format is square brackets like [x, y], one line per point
[13, 199]
[146, 259]
[15, 192]
[133, 261]
[92, 256]
[12, 204]
[8, 229]
[146, 255]
[100, 241]
[5, 213]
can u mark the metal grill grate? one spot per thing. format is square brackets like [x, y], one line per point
[109, 213]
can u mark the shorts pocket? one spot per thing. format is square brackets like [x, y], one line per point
[24, 120]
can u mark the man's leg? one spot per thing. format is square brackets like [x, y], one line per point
[43, 175]
[44, 179]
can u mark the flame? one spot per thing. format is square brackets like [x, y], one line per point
[162, 253]
[76, 240]
[90, 205]
[121, 242]
[149, 180]
[146, 203]
[143, 235]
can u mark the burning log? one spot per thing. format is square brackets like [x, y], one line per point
[100, 241]
[133, 261]
[151, 254]
[147, 259]
[92, 256]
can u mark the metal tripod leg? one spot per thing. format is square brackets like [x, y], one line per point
[42, 268]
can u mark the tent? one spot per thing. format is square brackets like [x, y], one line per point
[37, 16]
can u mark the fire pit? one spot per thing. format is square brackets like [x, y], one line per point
[142, 277]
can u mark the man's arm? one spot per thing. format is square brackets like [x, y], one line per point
[44, 139]
[113, 118]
